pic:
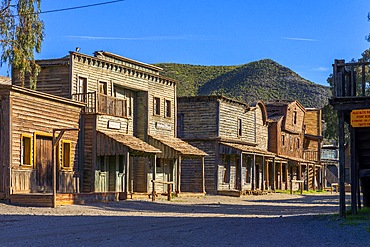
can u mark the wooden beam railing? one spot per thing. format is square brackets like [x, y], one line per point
[101, 103]
[351, 79]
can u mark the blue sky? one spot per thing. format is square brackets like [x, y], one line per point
[305, 36]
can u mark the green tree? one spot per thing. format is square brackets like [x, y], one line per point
[21, 34]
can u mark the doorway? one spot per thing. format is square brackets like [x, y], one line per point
[44, 164]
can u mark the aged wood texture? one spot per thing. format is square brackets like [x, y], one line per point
[53, 77]
[224, 129]
[36, 115]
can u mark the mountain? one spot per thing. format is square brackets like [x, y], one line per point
[261, 80]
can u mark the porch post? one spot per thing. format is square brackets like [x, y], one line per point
[263, 173]
[54, 164]
[178, 175]
[253, 172]
[240, 172]
[127, 175]
[203, 176]
[273, 174]
[153, 177]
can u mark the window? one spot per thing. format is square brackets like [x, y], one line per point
[81, 85]
[283, 140]
[168, 108]
[66, 155]
[157, 106]
[295, 117]
[26, 150]
[298, 144]
[240, 130]
[103, 88]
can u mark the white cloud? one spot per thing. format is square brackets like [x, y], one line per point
[323, 69]
[299, 39]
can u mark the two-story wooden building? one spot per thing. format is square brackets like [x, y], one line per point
[295, 137]
[129, 122]
[235, 137]
[28, 120]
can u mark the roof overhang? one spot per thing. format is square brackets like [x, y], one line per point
[172, 146]
[115, 143]
[248, 149]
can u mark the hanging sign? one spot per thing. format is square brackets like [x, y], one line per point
[360, 118]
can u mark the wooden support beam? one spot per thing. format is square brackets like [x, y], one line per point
[342, 196]
[354, 177]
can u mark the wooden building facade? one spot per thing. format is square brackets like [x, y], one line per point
[235, 137]
[128, 105]
[27, 120]
[295, 137]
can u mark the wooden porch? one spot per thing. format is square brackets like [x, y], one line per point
[46, 199]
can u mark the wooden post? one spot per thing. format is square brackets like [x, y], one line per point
[153, 180]
[127, 177]
[240, 172]
[203, 177]
[263, 173]
[274, 173]
[342, 196]
[253, 172]
[178, 175]
[354, 178]
[54, 170]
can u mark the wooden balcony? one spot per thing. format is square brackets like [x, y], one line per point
[351, 85]
[103, 104]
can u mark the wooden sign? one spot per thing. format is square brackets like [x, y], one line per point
[360, 118]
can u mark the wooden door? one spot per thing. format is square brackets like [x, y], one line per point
[44, 161]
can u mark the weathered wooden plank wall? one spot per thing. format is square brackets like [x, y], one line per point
[36, 114]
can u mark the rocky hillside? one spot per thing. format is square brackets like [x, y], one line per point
[261, 80]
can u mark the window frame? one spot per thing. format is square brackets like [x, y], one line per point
[61, 159]
[156, 106]
[239, 127]
[168, 108]
[30, 150]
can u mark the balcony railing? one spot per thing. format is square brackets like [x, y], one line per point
[101, 103]
[351, 79]
[311, 155]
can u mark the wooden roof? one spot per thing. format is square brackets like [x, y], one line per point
[178, 145]
[106, 144]
[248, 149]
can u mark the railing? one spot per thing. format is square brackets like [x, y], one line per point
[101, 103]
[310, 155]
[351, 79]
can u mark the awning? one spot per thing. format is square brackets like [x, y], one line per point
[248, 149]
[296, 159]
[114, 143]
[172, 146]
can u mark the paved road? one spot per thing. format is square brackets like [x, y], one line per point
[270, 220]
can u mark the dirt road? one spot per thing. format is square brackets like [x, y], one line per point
[269, 220]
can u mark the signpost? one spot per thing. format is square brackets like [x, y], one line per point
[360, 118]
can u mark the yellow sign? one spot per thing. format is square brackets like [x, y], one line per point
[360, 118]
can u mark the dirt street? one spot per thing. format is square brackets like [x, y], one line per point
[268, 220]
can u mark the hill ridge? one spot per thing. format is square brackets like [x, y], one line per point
[264, 80]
